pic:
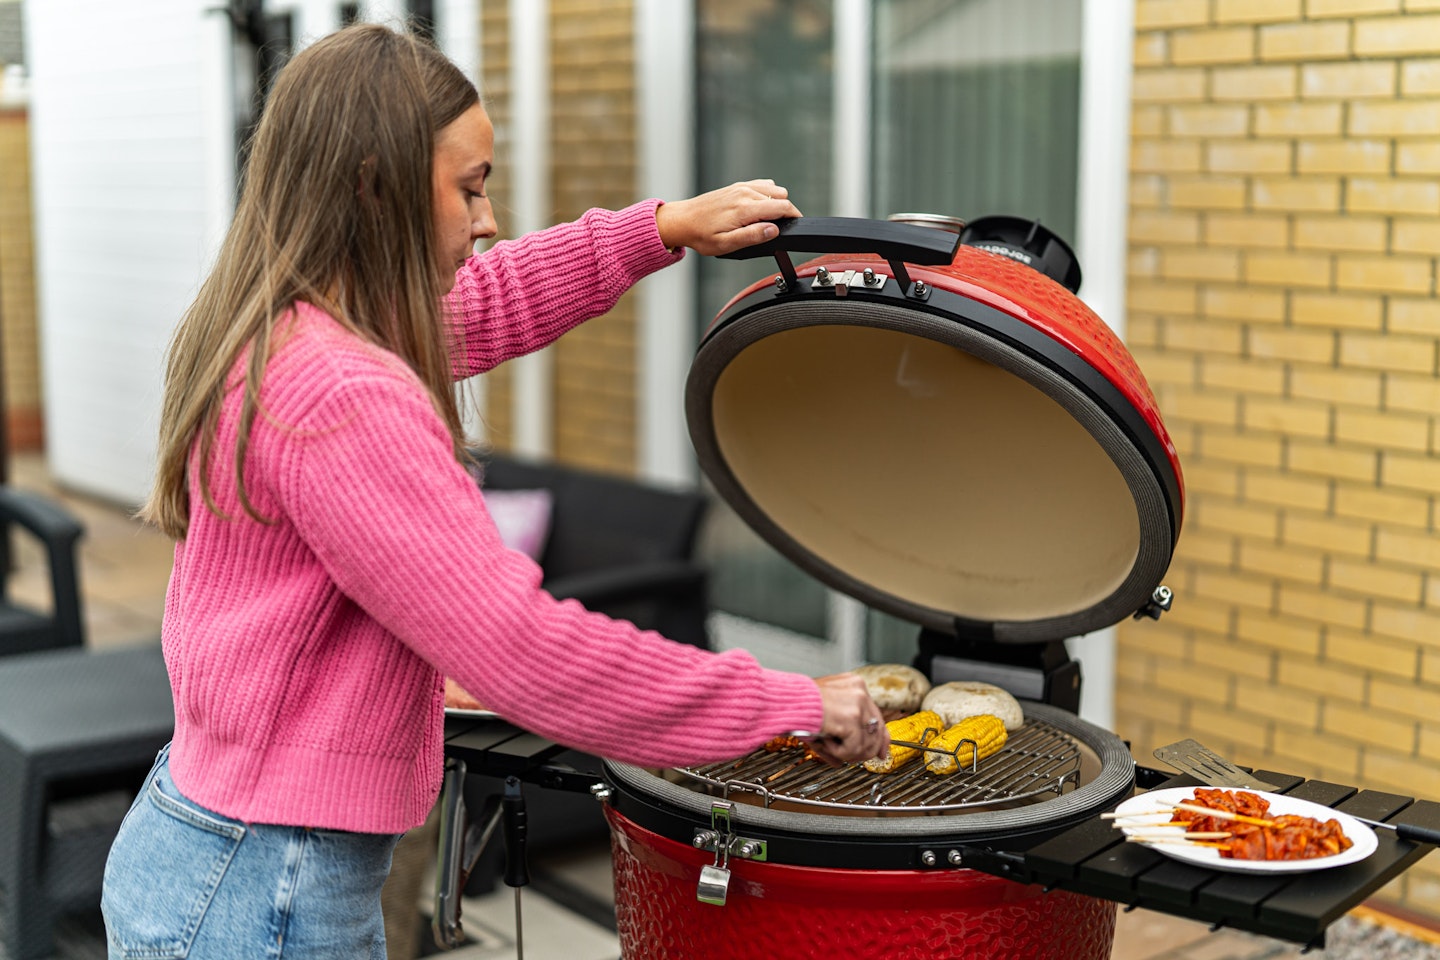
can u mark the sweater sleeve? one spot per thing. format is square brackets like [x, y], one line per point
[374, 491]
[520, 295]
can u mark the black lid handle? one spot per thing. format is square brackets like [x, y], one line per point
[898, 243]
[893, 241]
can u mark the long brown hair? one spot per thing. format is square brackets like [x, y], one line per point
[336, 211]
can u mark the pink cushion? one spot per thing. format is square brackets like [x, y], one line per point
[522, 517]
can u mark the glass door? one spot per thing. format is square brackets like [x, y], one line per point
[970, 107]
[764, 93]
[976, 112]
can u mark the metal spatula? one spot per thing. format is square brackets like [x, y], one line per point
[1208, 767]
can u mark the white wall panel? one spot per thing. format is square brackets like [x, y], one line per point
[665, 72]
[124, 225]
[132, 139]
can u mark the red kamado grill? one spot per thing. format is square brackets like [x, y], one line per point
[931, 421]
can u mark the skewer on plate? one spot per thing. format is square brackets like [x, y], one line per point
[1179, 840]
[1146, 833]
[1173, 832]
[1193, 808]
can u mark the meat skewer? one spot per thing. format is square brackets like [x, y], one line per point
[1214, 814]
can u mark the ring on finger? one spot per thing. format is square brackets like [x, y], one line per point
[872, 725]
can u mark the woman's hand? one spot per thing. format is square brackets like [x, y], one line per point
[456, 697]
[852, 729]
[726, 219]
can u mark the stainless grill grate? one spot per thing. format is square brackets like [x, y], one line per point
[1038, 759]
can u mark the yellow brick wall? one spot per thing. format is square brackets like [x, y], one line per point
[593, 154]
[17, 286]
[1285, 225]
[594, 147]
[495, 92]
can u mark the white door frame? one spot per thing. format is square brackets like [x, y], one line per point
[534, 374]
[665, 66]
[1106, 64]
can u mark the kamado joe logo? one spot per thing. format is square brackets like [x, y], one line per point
[1010, 252]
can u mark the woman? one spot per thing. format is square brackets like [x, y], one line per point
[334, 560]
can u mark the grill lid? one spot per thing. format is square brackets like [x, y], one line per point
[964, 445]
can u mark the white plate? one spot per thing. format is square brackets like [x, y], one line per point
[1362, 838]
[472, 714]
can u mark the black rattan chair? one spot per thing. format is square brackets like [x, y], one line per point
[620, 547]
[24, 629]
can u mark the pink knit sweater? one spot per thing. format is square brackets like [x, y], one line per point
[306, 655]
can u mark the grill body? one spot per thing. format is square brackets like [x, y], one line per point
[779, 910]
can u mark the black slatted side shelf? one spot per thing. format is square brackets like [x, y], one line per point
[1321, 792]
[1091, 855]
[1284, 783]
[1060, 857]
[1094, 860]
[1328, 894]
[1174, 886]
[1114, 872]
[495, 747]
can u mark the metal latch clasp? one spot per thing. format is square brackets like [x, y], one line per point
[846, 280]
[721, 838]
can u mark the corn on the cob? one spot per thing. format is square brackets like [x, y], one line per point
[916, 728]
[986, 731]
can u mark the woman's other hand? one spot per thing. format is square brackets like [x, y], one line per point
[726, 219]
[457, 699]
[852, 729]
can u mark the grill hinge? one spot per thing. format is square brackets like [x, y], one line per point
[1159, 603]
[997, 863]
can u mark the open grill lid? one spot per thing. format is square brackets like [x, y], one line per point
[930, 424]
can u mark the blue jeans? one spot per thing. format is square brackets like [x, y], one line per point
[184, 882]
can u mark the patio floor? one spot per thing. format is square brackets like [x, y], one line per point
[124, 570]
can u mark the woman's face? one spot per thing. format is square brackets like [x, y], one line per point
[464, 152]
